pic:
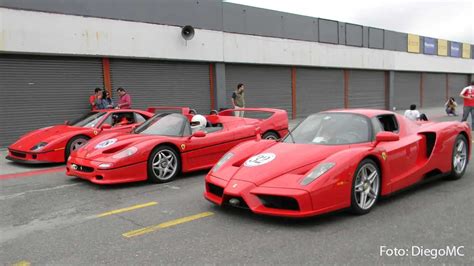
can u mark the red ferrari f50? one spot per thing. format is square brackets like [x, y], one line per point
[165, 145]
[336, 160]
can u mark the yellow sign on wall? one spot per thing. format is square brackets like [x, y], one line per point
[442, 47]
[466, 50]
[413, 43]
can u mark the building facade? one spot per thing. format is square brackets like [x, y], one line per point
[53, 54]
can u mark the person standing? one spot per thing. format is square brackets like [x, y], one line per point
[125, 101]
[93, 98]
[412, 113]
[468, 95]
[109, 103]
[238, 99]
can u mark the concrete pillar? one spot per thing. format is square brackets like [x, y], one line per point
[221, 94]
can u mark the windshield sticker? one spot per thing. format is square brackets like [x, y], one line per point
[260, 159]
[105, 143]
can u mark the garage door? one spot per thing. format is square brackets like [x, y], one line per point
[406, 90]
[159, 83]
[265, 86]
[318, 90]
[456, 83]
[38, 91]
[366, 89]
[434, 90]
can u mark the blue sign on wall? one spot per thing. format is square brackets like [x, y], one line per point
[455, 49]
[429, 45]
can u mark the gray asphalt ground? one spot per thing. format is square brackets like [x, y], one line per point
[53, 219]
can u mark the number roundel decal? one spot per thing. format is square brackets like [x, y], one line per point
[260, 159]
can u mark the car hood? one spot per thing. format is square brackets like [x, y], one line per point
[114, 143]
[47, 134]
[286, 157]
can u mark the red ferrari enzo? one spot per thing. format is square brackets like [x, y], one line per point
[54, 144]
[335, 160]
[170, 143]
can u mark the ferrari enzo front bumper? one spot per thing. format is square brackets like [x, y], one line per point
[285, 202]
[90, 170]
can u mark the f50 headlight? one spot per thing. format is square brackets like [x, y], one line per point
[39, 146]
[317, 172]
[125, 153]
[222, 161]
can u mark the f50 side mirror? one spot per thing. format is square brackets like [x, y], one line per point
[199, 134]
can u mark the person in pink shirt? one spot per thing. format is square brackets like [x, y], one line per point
[125, 101]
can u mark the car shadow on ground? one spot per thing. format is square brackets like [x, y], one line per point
[33, 166]
[339, 216]
[139, 184]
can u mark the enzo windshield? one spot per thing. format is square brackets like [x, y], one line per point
[331, 129]
[89, 120]
[174, 125]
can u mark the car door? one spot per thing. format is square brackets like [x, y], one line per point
[400, 156]
[204, 152]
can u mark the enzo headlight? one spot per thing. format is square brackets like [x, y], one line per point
[224, 159]
[317, 172]
[125, 153]
[39, 146]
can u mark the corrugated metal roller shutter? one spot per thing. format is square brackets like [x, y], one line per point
[160, 83]
[265, 86]
[318, 90]
[434, 90]
[406, 89]
[366, 89]
[456, 83]
[37, 91]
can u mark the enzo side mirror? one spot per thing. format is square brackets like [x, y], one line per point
[199, 134]
[106, 126]
[386, 136]
[66, 122]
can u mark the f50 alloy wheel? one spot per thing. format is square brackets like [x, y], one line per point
[164, 164]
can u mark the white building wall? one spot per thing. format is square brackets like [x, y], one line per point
[46, 33]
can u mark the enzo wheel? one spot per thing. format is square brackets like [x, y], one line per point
[74, 144]
[163, 164]
[270, 135]
[459, 159]
[365, 187]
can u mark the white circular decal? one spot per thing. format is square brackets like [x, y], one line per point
[105, 143]
[260, 159]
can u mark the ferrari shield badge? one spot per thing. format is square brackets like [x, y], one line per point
[183, 146]
[260, 159]
[384, 156]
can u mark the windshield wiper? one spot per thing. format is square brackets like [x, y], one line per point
[291, 135]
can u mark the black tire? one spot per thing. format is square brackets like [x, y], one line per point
[270, 135]
[154, 175]
[456, 173]
[370, 165]
[71, 144]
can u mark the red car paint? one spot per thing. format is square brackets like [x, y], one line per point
[58, 136]
[195, 153]
[402, 163]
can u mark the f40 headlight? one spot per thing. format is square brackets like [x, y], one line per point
[317, 172]
[222, 161]
[39, 146]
